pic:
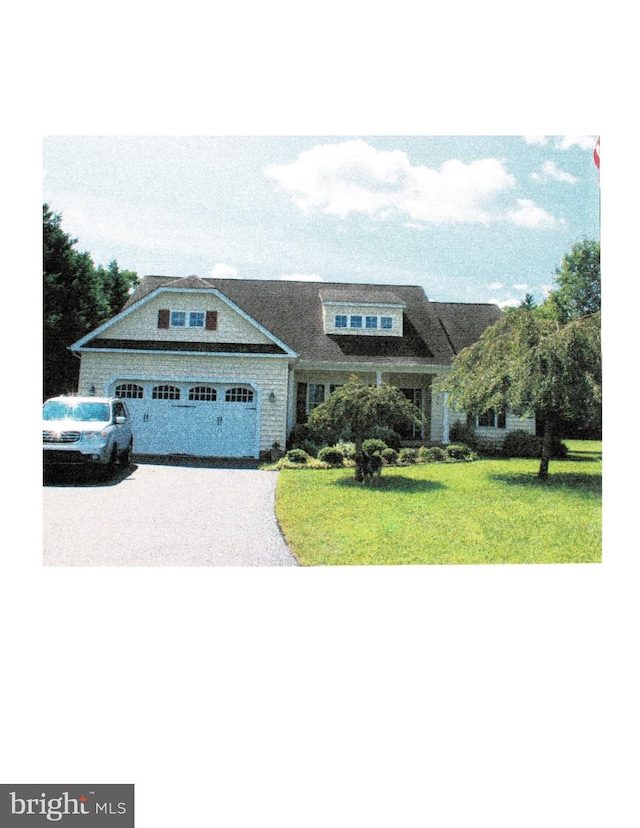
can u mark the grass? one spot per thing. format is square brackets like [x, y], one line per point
[492, 511]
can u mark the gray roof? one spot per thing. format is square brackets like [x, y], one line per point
[433, 332]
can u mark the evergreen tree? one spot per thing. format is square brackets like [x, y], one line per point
[77, 298]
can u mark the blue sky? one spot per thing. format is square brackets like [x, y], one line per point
[468, 218]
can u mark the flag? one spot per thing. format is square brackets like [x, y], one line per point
[596, 153]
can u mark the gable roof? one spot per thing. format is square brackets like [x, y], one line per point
[433, 332]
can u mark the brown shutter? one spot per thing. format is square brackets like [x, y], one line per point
[164, 317]
[212, 321]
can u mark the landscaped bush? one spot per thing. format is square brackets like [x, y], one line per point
[522, 444]
[433, 454]
[388, 435]
[408, 456]
[309, 447]
[332, 456]
[459, 451]
[463, 432]
[299, 433]
[374, 446]
[297, 456]
[348, 449]
[390, 456]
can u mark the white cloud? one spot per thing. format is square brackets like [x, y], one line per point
[505, 303]
[563, 142]
[550, 170]
[520, 287]
[585, 142]
[354, 177]
[302, 277]
[224, 271]
[496, 285]
[529, 215]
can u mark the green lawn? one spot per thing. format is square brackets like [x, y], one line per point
[488, 511]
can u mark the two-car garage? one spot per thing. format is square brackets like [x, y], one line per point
[212, 419]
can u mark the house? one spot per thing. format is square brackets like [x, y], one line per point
[226, 367]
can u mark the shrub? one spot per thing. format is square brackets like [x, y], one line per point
[434, 454]
[463, 433]
[388, 435]
[348, 449]
[459, 451]
[297, 456]
[390, 456]
[309, 447]
[332, 456]
[408, 455]
[299, 433]
[374, 446]
[522, 444]
[285, 463]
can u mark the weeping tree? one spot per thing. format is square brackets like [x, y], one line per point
[357, 408]
[535, 367]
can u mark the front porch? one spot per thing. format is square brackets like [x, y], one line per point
[311, 387]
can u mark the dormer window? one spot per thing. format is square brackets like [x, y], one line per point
[362, 311]
[207, 320]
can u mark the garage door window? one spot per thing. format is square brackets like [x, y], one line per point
[165, 392]
[241, 395]
[203, 393]
[129, 391]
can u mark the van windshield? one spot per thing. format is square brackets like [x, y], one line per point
[80, 411]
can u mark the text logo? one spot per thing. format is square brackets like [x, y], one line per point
[82, 806]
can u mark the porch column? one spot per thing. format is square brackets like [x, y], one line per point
[445, 418]
[378, 378]
[291, 400]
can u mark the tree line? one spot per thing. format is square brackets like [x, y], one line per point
[78, 297]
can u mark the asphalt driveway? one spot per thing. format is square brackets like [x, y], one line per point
[160, 514]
